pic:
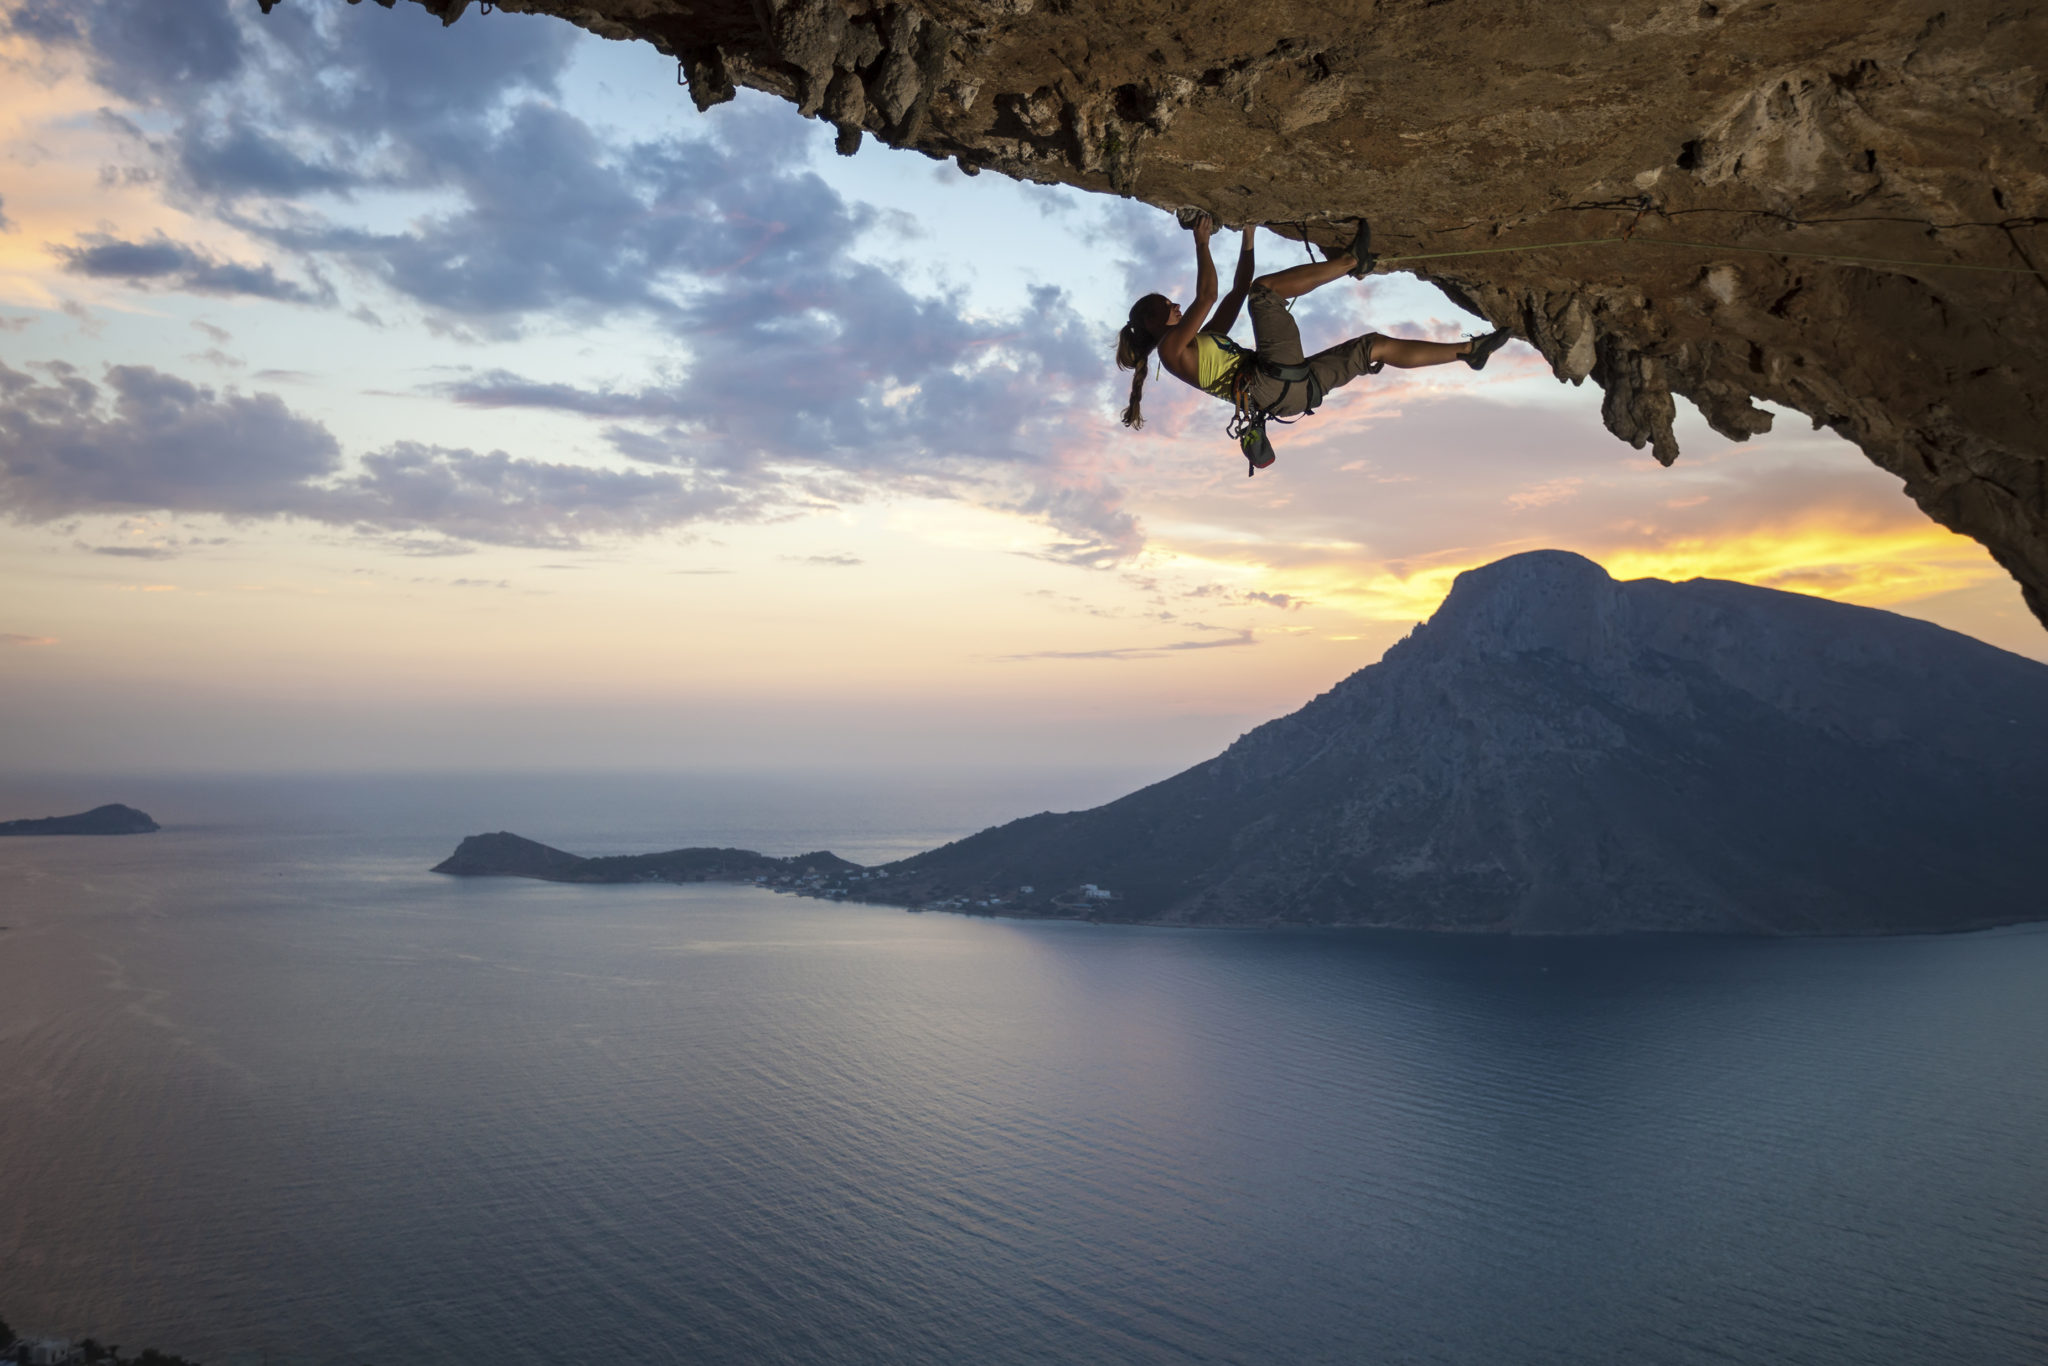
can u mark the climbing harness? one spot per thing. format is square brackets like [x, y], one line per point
[1248, 420]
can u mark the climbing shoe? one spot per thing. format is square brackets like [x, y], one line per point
[1485, 346]
[1361, 251]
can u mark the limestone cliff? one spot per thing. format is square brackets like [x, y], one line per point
[1907, 133]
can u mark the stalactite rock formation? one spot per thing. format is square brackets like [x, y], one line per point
[1711, 163]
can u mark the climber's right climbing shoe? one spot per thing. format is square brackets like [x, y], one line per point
[1361, 251]
[1482, 347]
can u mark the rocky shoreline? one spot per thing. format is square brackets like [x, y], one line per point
[27, 1351]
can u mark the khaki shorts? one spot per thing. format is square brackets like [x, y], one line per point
[1279, 341]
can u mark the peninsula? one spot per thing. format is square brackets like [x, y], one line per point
[1553, 752]
[112, 819]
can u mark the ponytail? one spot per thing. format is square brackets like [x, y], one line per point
[1134, 353]
[1134, 346]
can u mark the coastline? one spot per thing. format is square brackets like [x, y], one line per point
[1447, 931]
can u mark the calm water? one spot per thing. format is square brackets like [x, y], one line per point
[267, 1089]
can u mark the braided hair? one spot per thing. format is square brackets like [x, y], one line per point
[1134, 345]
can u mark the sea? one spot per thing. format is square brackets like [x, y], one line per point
[271, 1091]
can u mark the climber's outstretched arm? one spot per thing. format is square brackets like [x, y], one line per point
[1226, 312]
[1180, 336]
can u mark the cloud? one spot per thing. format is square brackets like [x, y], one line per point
[149, 441]
[831, 561]
[307, 98]
[11, 638]
[177, 266]
[789, 352]
[503, 389]
[798, 373]
[496, 498]
[88, 322]
[143, 52]
[133, 552]
[1137, 651]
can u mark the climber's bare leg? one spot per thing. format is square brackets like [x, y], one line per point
[1296, 281]
[1403, 354]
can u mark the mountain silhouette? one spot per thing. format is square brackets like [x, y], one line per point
[1558, 752]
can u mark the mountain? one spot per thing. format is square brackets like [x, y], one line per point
[1556, 752]
[112, 819]
[507, 855]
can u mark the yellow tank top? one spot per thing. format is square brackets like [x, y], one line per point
[1213, 365]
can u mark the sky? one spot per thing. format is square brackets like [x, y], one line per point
[380, 396]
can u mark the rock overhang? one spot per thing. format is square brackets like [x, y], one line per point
[1840, 209]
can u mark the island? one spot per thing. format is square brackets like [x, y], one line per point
[1553, 752]
[504, 854]
[112, 819]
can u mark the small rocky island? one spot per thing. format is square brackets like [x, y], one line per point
[1552, 753]
[112, 819]
[504, 854]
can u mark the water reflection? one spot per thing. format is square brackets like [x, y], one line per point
[274, 1091]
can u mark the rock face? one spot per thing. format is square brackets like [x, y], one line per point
[112, 819]
[1555, 752]
[1907, 133]
[508, 855]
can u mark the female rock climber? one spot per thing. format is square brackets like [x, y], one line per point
[1273, 379]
